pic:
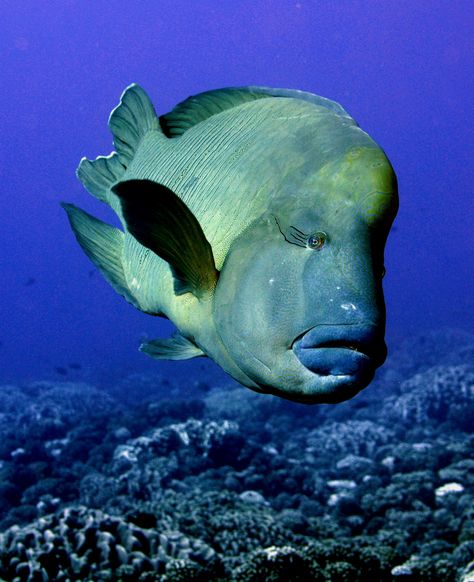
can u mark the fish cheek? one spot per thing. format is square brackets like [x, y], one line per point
[258, 294]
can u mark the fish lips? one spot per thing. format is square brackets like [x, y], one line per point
[341, 350]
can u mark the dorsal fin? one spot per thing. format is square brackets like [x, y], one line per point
[200, 107]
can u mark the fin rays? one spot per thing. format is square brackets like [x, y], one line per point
[129, 122]
[177, 347]
[103, 244]
[161, 221]
[200, 107]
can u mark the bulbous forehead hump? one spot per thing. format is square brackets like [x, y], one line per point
[359, 179]
[356, 167]
[358, 173]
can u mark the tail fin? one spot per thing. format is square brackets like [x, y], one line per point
[100, 175]
[133, 117]
[103, 244]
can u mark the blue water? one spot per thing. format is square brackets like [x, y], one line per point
[400, 68]
[403, 71]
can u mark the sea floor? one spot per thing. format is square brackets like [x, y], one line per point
[153, 479]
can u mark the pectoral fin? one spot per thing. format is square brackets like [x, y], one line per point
[177, 347]
[162, 222]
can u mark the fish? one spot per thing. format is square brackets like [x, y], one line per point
[255, 220]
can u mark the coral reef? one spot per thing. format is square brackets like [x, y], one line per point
[224, 484]
[442, 393]
[88, 544]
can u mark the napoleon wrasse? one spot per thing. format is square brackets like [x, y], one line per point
[255, 219]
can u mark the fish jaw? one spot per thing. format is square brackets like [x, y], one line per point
[295, 382]
[341, 349]
[341, 357]
[310, 374]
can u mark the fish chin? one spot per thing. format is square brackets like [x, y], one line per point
[331, 388]
[316, 388]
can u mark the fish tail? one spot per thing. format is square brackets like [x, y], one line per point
[133, 117]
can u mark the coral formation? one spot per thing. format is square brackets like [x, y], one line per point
[230, 485]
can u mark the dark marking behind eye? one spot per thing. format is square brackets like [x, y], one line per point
[295, 236]
[297, 231]
[298, 236]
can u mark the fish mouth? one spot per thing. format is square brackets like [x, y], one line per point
[352, 351]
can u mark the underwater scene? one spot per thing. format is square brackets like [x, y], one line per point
[237, 318]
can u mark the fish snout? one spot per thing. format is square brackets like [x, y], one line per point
[341, 350]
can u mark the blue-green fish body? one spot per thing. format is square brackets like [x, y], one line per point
[254, 219]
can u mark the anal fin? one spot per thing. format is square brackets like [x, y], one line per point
[177, 347]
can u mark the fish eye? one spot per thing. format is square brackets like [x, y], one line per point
[316, 241]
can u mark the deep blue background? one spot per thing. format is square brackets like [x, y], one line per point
[403, 69]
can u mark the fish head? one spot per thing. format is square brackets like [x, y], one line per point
[299, 304]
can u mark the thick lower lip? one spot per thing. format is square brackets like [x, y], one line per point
[341, 350]
[333, 361]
